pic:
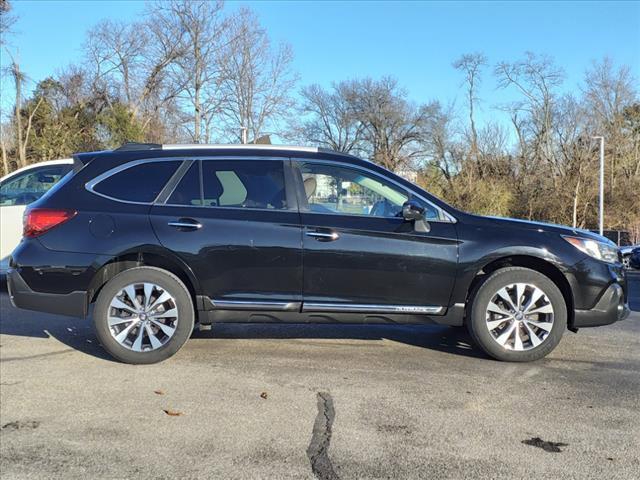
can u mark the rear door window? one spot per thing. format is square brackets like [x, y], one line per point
[244, 184]
[139, 183]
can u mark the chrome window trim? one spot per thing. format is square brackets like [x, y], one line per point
[222, 159]
[371, 308]
[244, 209]
[448, 217]
[90, 185]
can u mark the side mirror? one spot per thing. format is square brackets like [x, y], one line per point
[413, 212]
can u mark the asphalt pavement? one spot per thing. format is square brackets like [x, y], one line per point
[305, 401]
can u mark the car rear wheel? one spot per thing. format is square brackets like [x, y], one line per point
[517, 315]
[143, 315]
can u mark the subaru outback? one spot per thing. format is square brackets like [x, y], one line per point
[153, 241]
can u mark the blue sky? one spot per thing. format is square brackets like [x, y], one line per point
[413, 41]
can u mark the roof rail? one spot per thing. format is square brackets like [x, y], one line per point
[134, 146]
[247, 146]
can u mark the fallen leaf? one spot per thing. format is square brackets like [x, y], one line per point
[173, 413]
[158, 392]
[263, 395]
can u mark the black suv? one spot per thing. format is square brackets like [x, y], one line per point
[156, 239]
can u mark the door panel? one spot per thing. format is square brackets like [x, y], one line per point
[358, 250]
[378, 261]
[238, 230]
[236, 254]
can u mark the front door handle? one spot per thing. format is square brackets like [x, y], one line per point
[324, 236]
[185, 224]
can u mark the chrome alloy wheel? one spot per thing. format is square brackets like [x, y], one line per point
[519, 316]
[142, 317]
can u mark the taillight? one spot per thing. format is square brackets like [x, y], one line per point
[39, 220]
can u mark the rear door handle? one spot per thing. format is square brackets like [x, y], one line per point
[324, 236]
[185, 224]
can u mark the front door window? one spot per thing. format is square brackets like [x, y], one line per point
[333, 189]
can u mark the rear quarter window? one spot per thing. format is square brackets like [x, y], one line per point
[139, 183]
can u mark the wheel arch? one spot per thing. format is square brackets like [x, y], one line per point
[534, 263]
[149, 256]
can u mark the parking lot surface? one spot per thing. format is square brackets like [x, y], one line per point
[303, 401]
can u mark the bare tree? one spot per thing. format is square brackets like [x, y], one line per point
[327, 119]
[5, 139]
[608, 91]
[116, 50]
[7, 19]
[471, 65]
[393, 126]
[575, 158]
[188, 33]
[535, 78]
[257, 81]
[137, 64]
[22, 131]
[439, 145]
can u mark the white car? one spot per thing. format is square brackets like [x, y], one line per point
[19, 189]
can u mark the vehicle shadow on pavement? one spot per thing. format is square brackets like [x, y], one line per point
[454, 340]
[78, 334]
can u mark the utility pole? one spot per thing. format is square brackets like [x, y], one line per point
[243, 135]
[601, 182]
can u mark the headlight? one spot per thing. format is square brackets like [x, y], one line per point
[600, 250]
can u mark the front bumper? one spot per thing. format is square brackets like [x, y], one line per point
[609, 309]
[22, 296]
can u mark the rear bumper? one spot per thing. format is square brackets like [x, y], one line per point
[609, 309]
[22, 296]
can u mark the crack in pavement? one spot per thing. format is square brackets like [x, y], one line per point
[318, 450]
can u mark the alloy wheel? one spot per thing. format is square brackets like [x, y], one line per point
[519, 316]
[142, 317]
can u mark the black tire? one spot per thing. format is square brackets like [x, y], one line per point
[167, 281]
[477, 322]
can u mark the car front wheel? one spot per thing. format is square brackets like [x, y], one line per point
[143, 315]
[517, 314]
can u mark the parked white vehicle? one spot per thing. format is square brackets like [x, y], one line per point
[19, 189]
